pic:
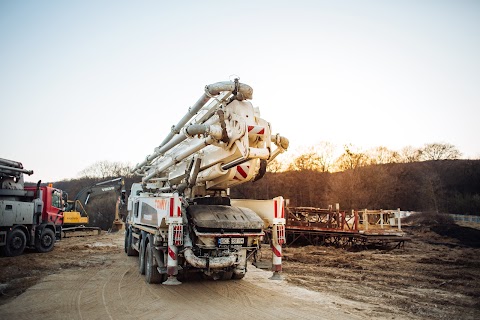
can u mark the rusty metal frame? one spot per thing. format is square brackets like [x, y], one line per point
[327, 227]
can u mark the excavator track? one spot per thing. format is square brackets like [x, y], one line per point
[80, 231]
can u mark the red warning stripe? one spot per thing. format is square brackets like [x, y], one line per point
[256, 130]
[174, 212]
[242, 172]
[172, 254]
[276, 252]
[277, 214]
[172, 202]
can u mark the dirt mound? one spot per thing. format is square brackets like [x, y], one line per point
[427, 219]
[444, 226]
[466, 236]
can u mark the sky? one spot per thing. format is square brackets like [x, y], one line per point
[88, 81]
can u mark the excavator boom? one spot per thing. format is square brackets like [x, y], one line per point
[76, 216]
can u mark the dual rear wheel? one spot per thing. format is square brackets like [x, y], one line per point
[128, 243]
[147, 263]
[151, 272]
[46, 241]
[16, 242]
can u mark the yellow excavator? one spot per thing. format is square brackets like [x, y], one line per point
[75, 217]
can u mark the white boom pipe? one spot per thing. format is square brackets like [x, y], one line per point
[194, 148]
[243, 92]
[282, 144]
[187, 132]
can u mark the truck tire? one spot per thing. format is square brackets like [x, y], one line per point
[237, 276]
[141, 253]
[125, 243]
[46, 241]
[128, 248]
[16, 243]
[227, 275]
[151, 273]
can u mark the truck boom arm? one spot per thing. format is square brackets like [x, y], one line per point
[181, 205]
[219, 143]
[11, 174]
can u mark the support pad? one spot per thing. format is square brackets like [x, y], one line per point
[276, 276]
[172, 281]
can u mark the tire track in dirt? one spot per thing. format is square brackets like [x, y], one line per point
[116, 290]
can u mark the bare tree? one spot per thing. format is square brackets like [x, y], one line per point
[309, 160]
[318, 158]
[410, 154]
[351, 159]
[382, 155]
[325, 151]
[440, 151]
[104, 169]
[274, 166]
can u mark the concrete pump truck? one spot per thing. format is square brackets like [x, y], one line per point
[180, 217]
[29, 216]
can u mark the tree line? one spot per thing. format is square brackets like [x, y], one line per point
[449, 186]
[101, 208]
[321, 157]
[431, 178]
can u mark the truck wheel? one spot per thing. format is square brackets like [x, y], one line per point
[151, 273]
[141, 258]
[227, 275]
[126, 240]
[130, 251]
[16, 242]
[46, 241]
[237, 276]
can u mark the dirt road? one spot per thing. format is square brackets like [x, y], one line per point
[105, 284]
[437, 276]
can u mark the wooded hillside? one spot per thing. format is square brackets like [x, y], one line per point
[450, 186]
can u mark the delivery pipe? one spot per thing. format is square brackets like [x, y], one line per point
[187, 132]
[175, 130]
[194, 148]
[282, 145]
[11, 163]
[6, 169]
[213, 263]
[243, 92]
[204, 263]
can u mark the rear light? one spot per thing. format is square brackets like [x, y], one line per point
[281, 234]
[178, 235]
